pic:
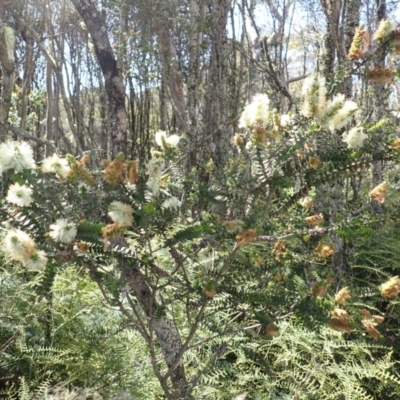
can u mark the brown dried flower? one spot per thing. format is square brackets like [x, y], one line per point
[238, 140]
[324, 250]
[258, 261]
[365, 313]
[318, 290]
[342, 295]
[378, 319]
[279, 249]
[272, 330]
[246, 237]
[391, 288]
[82, 246]
[379, 192]
[78, 170]
[340, 321]
[381, 75]
[314, 219]
[395, 41]
[114, 172]
[313, 162]
[132, 171]
[112, 230]
[370, 327]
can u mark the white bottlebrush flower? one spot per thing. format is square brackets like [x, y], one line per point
[63, 231]
[171, 202]
[338, 112]
[20, 195]
[121, 213]
[165, 141]
[355, 137]
[56, 165]
[18, 245]
[84, 188]
[16, 155]
[257, 112]
[286, 120]
[155, 167]
[37, 261]
[314, 96]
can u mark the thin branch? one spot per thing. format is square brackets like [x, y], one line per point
[25, 134]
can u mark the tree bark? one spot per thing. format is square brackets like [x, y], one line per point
[164, 328]
[7, 40]
[379, 102]
[95, 23]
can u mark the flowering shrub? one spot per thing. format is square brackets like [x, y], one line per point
[261, 245]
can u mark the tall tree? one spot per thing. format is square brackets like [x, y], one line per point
[96, 24]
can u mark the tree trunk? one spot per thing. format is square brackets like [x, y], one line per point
[216, 98]
[380, 101]
[95, 23]
[7, 41]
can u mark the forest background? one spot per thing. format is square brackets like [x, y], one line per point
[199, 199]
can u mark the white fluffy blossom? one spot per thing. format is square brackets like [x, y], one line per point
[18, 245]
[165, 141]
[257, 112]
[20, 195]
[339, 112]
[314, 96]
[171, 202]
[286, 120]
[121, 213]
[16, 155]
[355, 137]
[37, 261]
[63, 231]
[56, 165]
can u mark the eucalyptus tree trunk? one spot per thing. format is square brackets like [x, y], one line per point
[336, 48]
[351, 22]
[7, 42]
[194, 97]
[95, 23]
[216, 98]
[331, 40]
[379, 103]
[170, 68]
